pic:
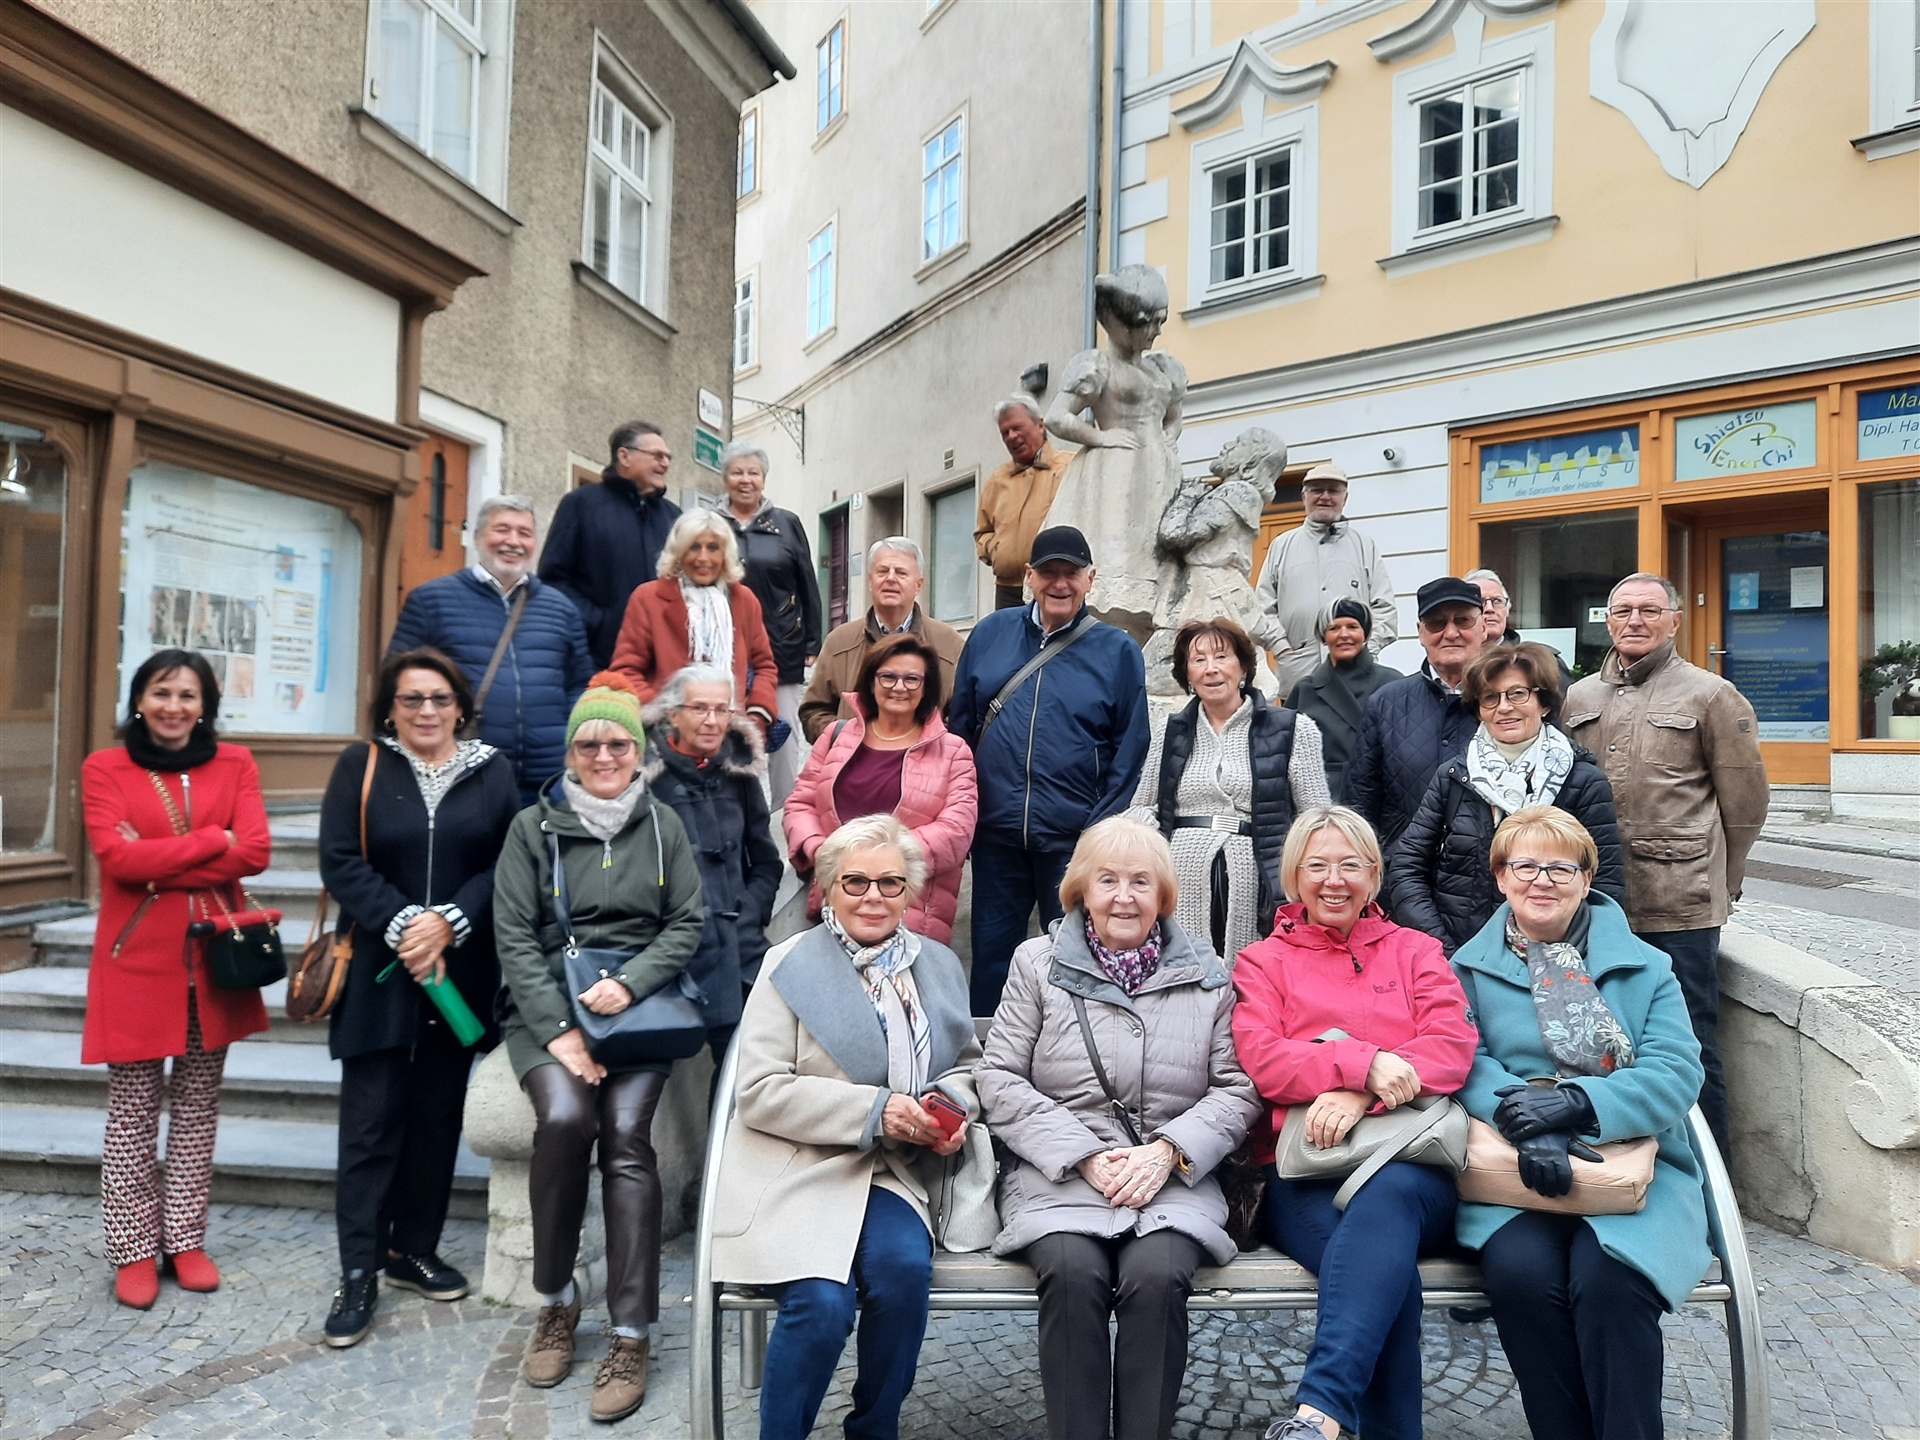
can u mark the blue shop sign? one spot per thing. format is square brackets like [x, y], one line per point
[1889, 423]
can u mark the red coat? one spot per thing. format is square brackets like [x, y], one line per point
[1388, 987]
[137, 1000]
[653, 644]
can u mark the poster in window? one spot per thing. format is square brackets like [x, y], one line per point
[1561, 464]
[1754, 441]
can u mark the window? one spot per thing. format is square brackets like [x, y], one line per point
[1890, 610]
[628, 209]
[830, 77]
[1251, 210]
[745, 340]
[746, 178]
[820, 281]
[940, 198]
[1251, 217]
[1893, 57]
[1470, 152]
[425, 77]
[33, 548]
[953, 561]
[1559, 572]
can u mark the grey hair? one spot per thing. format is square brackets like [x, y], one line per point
[1024, 401]
[673, 694]
[519, 504]
[1642, 577]
[901, 544]
[741, 450]
[871, 832]
[701, 521]
[1485, 574]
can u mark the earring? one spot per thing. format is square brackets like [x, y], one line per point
[138, 716]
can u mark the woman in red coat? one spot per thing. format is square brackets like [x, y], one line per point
[149, 992]
[700, 612]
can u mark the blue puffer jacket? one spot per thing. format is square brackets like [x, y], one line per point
[1409, 728]
[1067, 747]
[541, 675]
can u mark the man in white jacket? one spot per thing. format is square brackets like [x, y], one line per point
[1306, 570]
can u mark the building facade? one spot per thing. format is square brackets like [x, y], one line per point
[1573, 288]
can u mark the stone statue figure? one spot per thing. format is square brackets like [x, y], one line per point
[1127, 467]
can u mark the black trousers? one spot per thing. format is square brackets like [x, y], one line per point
[1143, 1282]
[1696, 965]
[400, 1115]
[1581, 1330]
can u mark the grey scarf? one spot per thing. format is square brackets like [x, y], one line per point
[1578, 1027]
[602, 819]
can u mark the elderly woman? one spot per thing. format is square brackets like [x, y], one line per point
[779, 566]
[633, 886]
[1335, 694]
[832, 1152]
[895, 756]
[1583, 1035]
[1110, 1074]
[1222, 782]
[1346, 1013]
[1438, 879]
[699, 613]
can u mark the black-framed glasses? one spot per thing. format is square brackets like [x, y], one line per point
[891, 886]
[1516, 697]
[615, 749]
[894, 680]
[1648, 613]
[1558, 872]
[439, 700]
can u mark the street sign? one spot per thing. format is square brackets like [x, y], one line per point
[711, 414]
[706, 448]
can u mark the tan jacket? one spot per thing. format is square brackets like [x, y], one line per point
[1013, 509]
[1682, 750]
[803, 1148]
[845, 651]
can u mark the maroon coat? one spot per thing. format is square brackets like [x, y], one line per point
[137, 1000]
[653, 645]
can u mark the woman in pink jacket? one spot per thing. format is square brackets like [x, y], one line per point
[1334, 963]
[896, 757]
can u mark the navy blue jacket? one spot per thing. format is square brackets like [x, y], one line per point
[604, 541]
[1409, 727]
[1068, 745]
[541, 675]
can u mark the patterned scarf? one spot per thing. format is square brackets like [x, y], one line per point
[435, 780]
[886, 971]
[1533, 777]
[1579, 1028]
[1129, 969]
[709, 624]
[601, 818]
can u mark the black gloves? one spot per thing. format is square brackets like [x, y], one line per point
[1526, 1111]
[1544, 1167]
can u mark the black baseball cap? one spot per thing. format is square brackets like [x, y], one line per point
[1449, 590]
[1063, 542]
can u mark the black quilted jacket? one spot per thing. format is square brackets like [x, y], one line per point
[1410, 726]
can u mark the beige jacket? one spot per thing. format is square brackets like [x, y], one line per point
[804, 1147]
[1305, 571]
[844, 651]
[1013, 509]
[1681, 748]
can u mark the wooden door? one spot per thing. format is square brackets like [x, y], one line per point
[835, 551]
[1283, 513]
[436, 536]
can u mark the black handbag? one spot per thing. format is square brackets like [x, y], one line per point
[243, 950]
[657, 1028]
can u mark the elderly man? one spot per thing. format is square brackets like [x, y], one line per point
[1054, 704]
[519, 642]
[1015, 500]
[1412, 725]
[896, 573]
[1682, 749]
[605, 539]
[1307, 569]
[1497, 611]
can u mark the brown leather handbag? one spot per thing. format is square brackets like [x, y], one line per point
[314, 987]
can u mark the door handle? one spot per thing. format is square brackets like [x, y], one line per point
[1714, 652]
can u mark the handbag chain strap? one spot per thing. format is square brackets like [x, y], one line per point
[179, 823]
[1120, 1111]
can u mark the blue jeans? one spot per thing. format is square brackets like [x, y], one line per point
[1696, 965]
[1007, 883]
[1364, 1367]
[892, 1270]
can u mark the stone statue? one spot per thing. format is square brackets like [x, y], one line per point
[1127, 467]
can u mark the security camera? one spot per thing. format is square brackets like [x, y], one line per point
[1390, 455]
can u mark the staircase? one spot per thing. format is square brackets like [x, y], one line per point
[277, 1139]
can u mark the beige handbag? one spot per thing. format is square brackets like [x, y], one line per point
[1427, 1130]
[1616, 1187]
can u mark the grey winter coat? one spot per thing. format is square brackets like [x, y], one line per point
[1169, 1053]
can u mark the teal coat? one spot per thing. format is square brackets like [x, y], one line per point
[1667, 1241]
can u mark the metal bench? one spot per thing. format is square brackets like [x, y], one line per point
[1259, 1280]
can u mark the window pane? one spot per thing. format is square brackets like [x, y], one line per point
[820, 282]
[954, 565]
[827, 73]
[453, 79]
[1440, 206]
[1498, 190]
[1558, 572]
[743, 322]
[1440, 118]
[1889, 609]
[603, 118]
[402, 39]
[33, 510]
[600, 218]
[1497, 100]
[632, 277]
[469, 11]
[1229, 261]
[745, 177]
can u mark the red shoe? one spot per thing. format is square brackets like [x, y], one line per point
[194, 1270]
[137, 1284]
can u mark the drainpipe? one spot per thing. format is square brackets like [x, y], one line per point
[1119, 107]
[1096, 36]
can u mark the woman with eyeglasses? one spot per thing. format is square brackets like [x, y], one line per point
[854, 1081]
[633, 885]
[1437, 875]
[1584, 1036]
[893, 756]
[1348, 1014]
[414, 881]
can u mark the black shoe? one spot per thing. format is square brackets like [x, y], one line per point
[1469, 1314]
[428, 1274]
[352, 1314]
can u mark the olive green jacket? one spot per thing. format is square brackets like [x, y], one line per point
[639, 893]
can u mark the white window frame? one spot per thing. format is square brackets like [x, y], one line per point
[1296, 130]
[823, 78]
[830, 259]
[746, 322]
[488, 38]
[748, 155]
[1893, 55]
[957, 164]
[614, 77]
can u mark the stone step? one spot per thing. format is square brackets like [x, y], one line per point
[55, 1149]
[43, 997]
[265, 1079]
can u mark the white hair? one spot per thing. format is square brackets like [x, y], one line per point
[900, 544]
[519, 504]
[1022, 401]
[673, 694]
[1642, 577]
[701, 521]
[1484, 574]
[741, 450]
[871, 832]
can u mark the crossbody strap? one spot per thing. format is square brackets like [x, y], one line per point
[560, 906]
[1047, 652]
[499, 650]
[1414, 1126]
[1120, 1111]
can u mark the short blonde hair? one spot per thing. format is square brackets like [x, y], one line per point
[1546, 825]
[871, 832]
[701, 522]
[1112, 840]
[1308, 823]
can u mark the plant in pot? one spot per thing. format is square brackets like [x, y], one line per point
[1895, 668]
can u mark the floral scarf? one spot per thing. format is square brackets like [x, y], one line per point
[1578, 1027]
[1129, 969]
[886, 971]
[1534, 777]
[709, 624]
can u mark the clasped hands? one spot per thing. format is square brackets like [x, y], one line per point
[1131, 1175]
[1390, 1080]
[1543, 1124]
[905, 1119]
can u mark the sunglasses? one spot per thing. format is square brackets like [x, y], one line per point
[615, 749]
[439, 700]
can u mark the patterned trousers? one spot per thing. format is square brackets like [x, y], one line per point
[130, 1200]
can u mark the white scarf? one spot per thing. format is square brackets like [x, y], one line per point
[602, 818]
[709, 624]
[1534, 777]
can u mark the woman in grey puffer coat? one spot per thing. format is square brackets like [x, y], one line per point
[1113, 1199]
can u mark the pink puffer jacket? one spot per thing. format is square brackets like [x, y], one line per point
[938, 802]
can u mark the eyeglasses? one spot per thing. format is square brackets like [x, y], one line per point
[1624, 613]
[615, 749]
[1516, 697]
[1558, 872]
[1496, 602]
[893, 680]
[665, 457]
[707, 712]
[1465, 624]
[439, 700]
[1349, 869]
[891, 886]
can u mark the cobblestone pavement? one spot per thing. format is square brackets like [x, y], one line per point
[1886, 954]
[1841, 1334]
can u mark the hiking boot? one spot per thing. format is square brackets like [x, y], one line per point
[550, 1352]
[622, 1382]
[427, 1274]
[352, 1314]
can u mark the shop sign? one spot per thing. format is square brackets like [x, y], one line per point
[1889, 423]
[710, 412]
[706, 448]
[1561, 464]
[1735, 443]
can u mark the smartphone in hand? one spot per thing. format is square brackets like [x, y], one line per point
[947, 1115]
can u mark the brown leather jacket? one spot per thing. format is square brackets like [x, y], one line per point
[844, 651]
[1682, 750]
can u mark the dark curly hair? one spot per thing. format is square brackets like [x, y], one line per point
[1534, 661]
[1223, 630]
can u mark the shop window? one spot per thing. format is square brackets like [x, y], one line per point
[264, 584]
[1890, 611]
[33, 513]
[1559, 572]
[954, 561]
